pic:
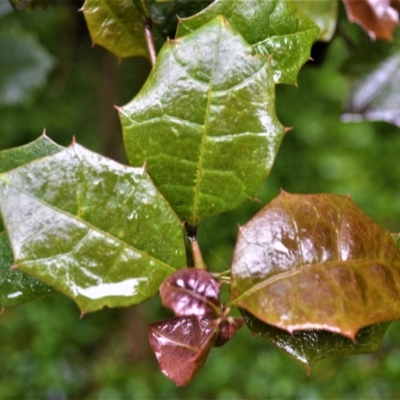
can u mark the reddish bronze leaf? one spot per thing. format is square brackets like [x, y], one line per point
[316, 262]
[191, 291]
[227, 328]
[181, 346]
[378, 18]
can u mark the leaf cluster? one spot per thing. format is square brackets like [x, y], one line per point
[308, 271]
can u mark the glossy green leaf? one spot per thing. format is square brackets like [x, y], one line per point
[166, 14]
[308, 347]
[205, 122]
[274, 27]
[17, 287]
[116, 25]
[324, 13]
[316, 262]
[94, 229]
[28, 5]
[25, 69]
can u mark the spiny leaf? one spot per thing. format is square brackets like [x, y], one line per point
[191, 292]
[116, 25]
[308, 347]
[94, 229]
[324, 13]
[17, 287]
[378, 18]
[274, 27]
[316, 262]
[205, 122]
[181, 346]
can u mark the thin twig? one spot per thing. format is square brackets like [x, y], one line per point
[197, 257]
[148, 34]
[191, 232]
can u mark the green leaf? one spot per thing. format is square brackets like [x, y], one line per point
[28, 5]
[205, 122]
[308, 347]
[324, 13]
[94, 229]
[316, 262]
[117, 26]
[17, 287]
[166, 14]
[25, 69]
[275, 27]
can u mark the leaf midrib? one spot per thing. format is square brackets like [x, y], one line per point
[288, 274]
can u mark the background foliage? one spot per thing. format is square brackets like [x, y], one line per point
[46, 351]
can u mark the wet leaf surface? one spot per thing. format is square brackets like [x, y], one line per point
[117, 26]
[181, 346]
[94, 229]
[316, 262]
[205, 122]
[275, 27]
[378, 18]
[324, 13]
[17, 287]
[191, 291]
[308, 347]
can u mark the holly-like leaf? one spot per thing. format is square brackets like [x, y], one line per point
[324, 13]
[205, 122]
[25, 68]
[191, 292]
[308, 347]
[276, 27]
[117, 26]
[316, 262]
[94, 229]
[181, 346]
[17, 287]
[378, 18]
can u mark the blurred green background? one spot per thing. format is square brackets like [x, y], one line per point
[47, 352]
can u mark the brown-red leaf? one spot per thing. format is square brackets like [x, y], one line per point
[378, 18]
[227, 328]
[191, 291]
[316, 262]
[181, 345]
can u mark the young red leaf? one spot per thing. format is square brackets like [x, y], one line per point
[181, 346]
[191, 291]
[378, 18]
[227, 328]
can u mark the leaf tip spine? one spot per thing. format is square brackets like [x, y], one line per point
[44, 132]
[144, 167]
[14, 267]
[73, 143]
[288, 129]
[82, 315]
